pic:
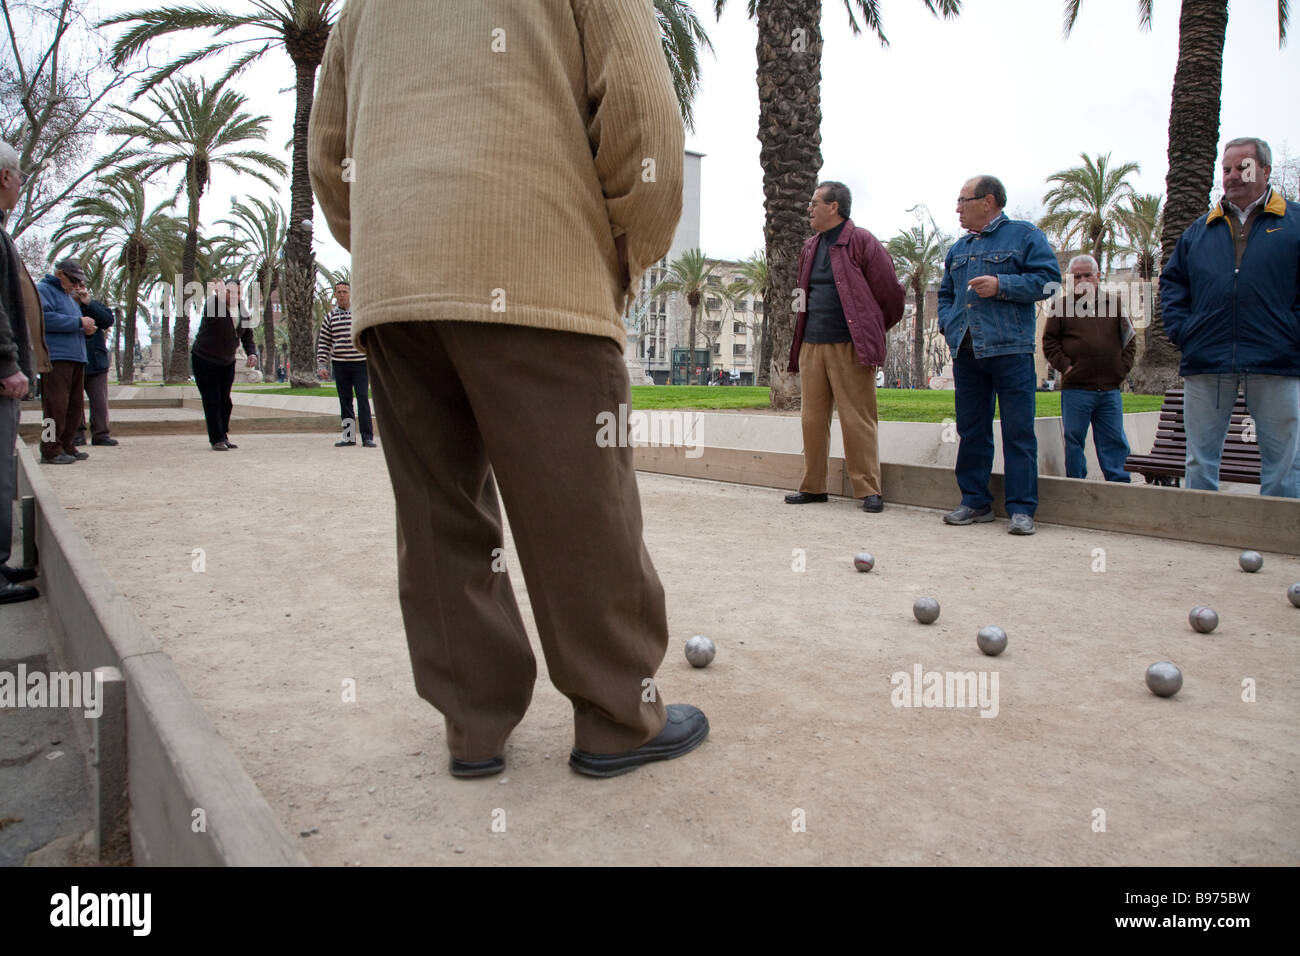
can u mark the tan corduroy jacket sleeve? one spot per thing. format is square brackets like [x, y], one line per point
[327, 142]
[635, 127]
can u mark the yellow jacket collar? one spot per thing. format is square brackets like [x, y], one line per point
[1274, 204]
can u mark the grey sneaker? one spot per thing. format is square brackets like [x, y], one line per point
[965, 515]
[1021, 524]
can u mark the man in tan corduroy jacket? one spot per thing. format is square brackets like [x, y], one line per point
[502, 172]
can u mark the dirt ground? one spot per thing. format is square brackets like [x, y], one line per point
[808, 760]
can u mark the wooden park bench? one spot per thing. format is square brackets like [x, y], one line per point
[1167, 461]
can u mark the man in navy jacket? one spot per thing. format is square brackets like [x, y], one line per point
[97, 366]
[64, 300]
[1230, 301]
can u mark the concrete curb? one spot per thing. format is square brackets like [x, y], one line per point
[191, 801]
[1207, 517]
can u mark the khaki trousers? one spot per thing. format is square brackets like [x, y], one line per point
[465, 408]
[830, 377]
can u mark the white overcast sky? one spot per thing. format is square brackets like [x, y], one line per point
[998, 90]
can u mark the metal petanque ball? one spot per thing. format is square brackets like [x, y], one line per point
[700, 651]
[1203, 619]
[1164, 679]
[1293, 594]
[926, 610]
[1251, 561]
[992, 640]
[864, 561]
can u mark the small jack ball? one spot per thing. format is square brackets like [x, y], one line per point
[1203, 619]
[1164, 679]
[700, 651]
[1251, 561]
[1293, 594]
[926, 610]
[992, 640]
[864, 561]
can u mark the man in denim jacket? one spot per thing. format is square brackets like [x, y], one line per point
[991, 279]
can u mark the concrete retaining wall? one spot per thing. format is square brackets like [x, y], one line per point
[191, 803]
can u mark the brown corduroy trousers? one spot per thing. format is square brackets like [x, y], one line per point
[465, 408]
[62, 402]
[830, 377]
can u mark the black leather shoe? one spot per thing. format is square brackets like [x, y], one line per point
[344, 444]
[13, 593]
[79, 440]
[873, 503]
[59, 459]
[369, 443]
[477, 768]
[17, 575]
[685, 730]
[104, 441]
[804, 498]
[230, 444]
[79, 455]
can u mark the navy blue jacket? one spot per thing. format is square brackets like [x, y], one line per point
[1229, 319]
[97, 345]
[1017, 253]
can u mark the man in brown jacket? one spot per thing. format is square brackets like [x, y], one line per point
[1090, 340]
[502, 173]
[15, 373]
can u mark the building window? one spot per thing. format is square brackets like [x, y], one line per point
[738, 348]
[758, 306]
[717, 348]
[738, 328]
[713, 303]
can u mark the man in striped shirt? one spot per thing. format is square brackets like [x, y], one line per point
[335, 342]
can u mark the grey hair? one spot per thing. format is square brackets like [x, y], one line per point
[1083, 258]
[991, 186]
[1263, 155]
[9, 158]
[837, 192]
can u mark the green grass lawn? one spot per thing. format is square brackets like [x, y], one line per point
[893, 404]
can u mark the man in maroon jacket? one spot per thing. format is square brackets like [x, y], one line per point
[848, 296]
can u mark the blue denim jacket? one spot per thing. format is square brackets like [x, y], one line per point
[1018, 254]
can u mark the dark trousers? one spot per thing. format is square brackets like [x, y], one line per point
[97, 392]
[1009, 381]
[463, 404]
[61, 406]
[352, 377]
[214, 383]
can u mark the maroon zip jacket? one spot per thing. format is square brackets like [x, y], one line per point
[870, 293]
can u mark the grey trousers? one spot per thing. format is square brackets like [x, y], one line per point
[9, 410]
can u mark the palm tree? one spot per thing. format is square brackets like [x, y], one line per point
[256, 245]
[301, 28]
[754, 281]
[789, 134]
[689, 275]
[198, 128]
[1141, 222]
[1193, 142]
[918, 255]
[117, 222]
[1084, 205]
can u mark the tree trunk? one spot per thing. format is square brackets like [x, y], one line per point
[1193, 141]
[690, 346]
[268, 323]
[177, 370]
[126, 371]
[117, 344]
[789, 135]
[918, 340]
[765, 351]
[165, 337]
[299, 281]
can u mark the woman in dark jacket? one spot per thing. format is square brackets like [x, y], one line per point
[225, 325]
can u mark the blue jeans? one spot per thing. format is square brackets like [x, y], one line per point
[1104, 411]
[1273, 402]
[1010, 380]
